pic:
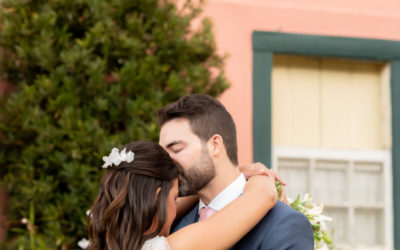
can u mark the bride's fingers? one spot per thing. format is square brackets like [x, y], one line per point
[259, 168]
[278, 178]
[284, 197]
[251, 170]
[267, 173]
[274, 174]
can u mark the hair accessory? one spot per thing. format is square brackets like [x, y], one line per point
[117, 157]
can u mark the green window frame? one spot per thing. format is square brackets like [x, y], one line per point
[266, 44]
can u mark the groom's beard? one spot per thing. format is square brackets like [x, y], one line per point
[198, 176]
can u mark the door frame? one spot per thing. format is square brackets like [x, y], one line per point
[266, 44]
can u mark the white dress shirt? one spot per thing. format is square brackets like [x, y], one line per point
[226, 196]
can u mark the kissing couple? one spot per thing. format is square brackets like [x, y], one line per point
[138, 206]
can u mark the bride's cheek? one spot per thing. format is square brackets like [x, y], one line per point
[175, 210]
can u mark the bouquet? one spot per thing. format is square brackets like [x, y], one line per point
[313, 212]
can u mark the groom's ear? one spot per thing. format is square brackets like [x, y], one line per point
[215, 145]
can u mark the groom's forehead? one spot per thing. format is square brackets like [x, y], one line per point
[176, 128]
[176, 132]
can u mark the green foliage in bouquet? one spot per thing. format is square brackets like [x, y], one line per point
[90, 75]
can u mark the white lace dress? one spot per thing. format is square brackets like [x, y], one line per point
[157, 243]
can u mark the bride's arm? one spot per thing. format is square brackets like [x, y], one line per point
[184, 204]
[229, 225]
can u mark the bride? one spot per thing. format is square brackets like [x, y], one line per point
[137, 204]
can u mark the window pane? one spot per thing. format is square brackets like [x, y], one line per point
[339, 225]
[368, 185]
[368, 227]
[330, 180]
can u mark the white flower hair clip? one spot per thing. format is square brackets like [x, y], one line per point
[117, 157]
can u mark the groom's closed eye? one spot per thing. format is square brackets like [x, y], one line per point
[175, 146]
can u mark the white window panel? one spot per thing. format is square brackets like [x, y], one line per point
[353, 185]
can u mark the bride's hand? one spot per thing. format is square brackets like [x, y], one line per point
[262, 185]
[260, 169]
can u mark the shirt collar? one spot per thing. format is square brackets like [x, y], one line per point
[226, 196]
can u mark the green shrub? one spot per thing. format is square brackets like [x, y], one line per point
[90, 75]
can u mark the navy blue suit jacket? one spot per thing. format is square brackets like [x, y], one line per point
[282, 228]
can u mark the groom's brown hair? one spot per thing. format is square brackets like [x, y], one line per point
[207, 117]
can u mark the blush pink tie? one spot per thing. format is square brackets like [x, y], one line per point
[205, 213]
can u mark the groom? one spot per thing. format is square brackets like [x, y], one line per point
[200, 135]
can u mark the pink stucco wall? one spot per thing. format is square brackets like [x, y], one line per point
[235, 20]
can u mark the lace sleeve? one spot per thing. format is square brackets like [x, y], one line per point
[157, 243]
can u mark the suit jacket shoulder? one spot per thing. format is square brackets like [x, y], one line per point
[282, 228]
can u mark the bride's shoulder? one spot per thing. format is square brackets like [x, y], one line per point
[157, 243]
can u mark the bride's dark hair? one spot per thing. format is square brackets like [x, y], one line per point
[127, 204]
